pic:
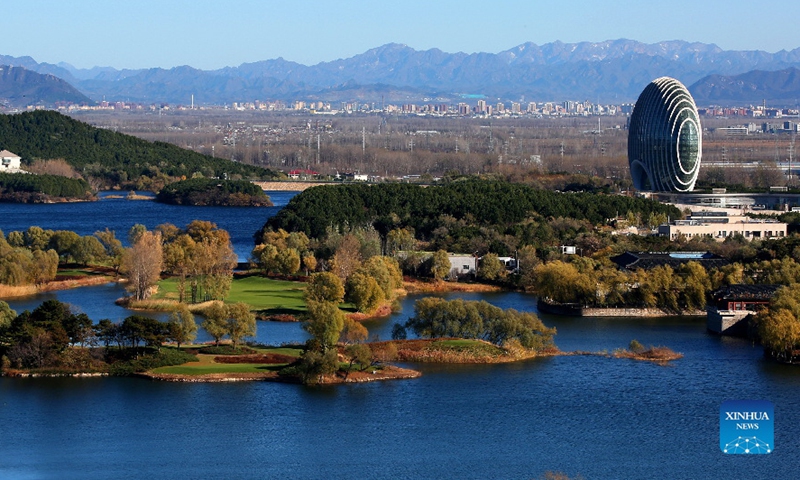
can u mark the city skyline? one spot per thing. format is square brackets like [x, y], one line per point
[211, 35]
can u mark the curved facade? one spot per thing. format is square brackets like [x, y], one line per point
[665, 139]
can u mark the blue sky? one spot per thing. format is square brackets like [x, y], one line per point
[213, 34]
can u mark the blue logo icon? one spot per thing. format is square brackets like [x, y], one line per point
[747, 427]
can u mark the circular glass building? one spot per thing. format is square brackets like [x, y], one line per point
[664, 138]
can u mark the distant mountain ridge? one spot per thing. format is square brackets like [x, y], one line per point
[609, 71]
[20, 87]
[779, 87]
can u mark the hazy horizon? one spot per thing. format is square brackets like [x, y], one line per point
[211, 35]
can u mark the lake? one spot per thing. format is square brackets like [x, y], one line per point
[584, 415]
[119, 215]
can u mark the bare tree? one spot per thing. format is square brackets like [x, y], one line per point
[142, 264]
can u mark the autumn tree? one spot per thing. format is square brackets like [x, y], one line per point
[696, 284]
[324, 287]
[526, 263]
[562, 283]
[112, 246]
[779, 325]
[364, 292]
[400, 240]
[360, 354]
[202, 255]
[347, 258]
[491, 268]
[182, 326]
[309, 262]
[353, 331]
[215, 322]
[142, 264]
[241, 322]
[440, 265]
[325, 323]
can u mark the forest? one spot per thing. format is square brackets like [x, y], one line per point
[213, 192]
[108, 158]
[511, 209]
[16, 187]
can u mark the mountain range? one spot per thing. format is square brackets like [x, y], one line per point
[20, 87]
[611, 71]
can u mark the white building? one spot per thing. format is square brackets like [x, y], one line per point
[462, 264]
[9, 162]
[720, 226]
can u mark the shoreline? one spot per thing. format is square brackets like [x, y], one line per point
[55, 285]
[414, 351]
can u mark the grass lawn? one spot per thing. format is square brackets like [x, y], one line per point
[206, 364]
[265, 295]
[462, 345]
[79, 272]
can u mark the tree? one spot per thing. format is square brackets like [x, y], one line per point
[138, 328]
[696, 284]
[491, 267]
[36, 238]
[142, 264]
[347, 258]
[779, 330]
[440, 265]
[562, 283]
[64, 242]
[288, 261]
[87, 249]
[182, 326]
[44, 266]
[526, 263]
[325, 323]
[106, 331]
[353, 331]
[112, 246]
[360, 354]
[240, 322]
[400, 240]
[216, 321]
[309, 262]
[364, 292]
[386, 273]
[324, 287]
[435, 317]
[314, 364]
[6, 315]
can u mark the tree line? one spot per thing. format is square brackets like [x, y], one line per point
[33, 256]
[17, 187]
[53, 338]
[469, 205]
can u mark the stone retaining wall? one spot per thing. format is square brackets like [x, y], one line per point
[580, 311]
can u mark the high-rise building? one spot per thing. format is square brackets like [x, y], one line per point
[665, 139]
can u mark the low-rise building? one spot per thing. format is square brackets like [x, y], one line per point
[10, 162]
[462, 264]
[720, 225]
[731, 307]
[633, 261]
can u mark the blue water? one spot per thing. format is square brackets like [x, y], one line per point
[584, 415]
[120, 215]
